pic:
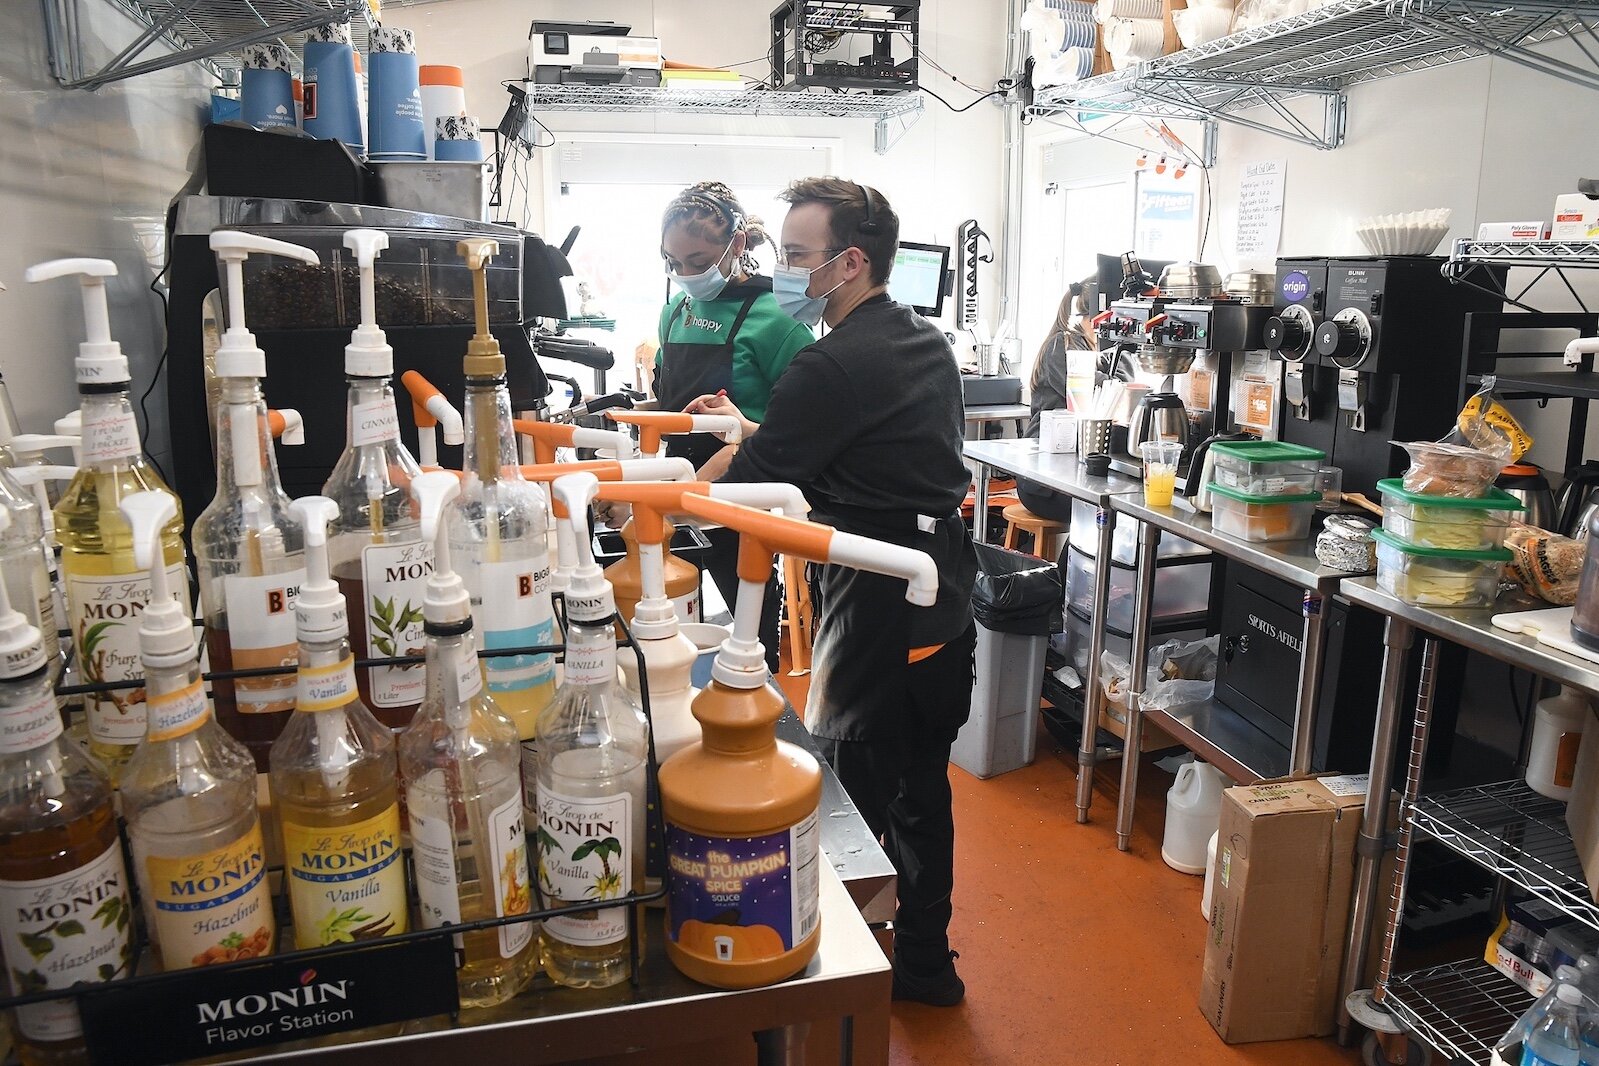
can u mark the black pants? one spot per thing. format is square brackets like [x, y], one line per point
[902, 790]
[721, 562]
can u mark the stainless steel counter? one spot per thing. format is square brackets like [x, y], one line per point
[1063, 473]
[1291, 561]
[842, 997]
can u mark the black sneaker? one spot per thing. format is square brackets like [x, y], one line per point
[940, 988]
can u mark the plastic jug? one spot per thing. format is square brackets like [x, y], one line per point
[1193, 811]
[1210, 875]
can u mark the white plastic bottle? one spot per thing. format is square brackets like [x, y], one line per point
[1557, 727]
[1556, 1039]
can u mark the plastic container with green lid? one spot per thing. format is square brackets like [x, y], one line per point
[1453, 522]
[1266, 467]
[1438, 577]
[1262, 516]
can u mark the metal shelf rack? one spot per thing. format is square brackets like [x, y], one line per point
[1473, 263]
[1461, 1009]
[1290, 75]
[173, 32]
[1514, 832]
[887, 109]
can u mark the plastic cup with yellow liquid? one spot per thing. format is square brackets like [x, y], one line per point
[1160, 470]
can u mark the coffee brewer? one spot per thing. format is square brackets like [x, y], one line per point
[1372, 347]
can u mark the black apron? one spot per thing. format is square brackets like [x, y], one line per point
[867, 628]
[688, 371]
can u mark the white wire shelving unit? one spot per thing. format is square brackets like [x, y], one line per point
[1461, 1009]
[1289, 77]
[212, 33]
[894, 113]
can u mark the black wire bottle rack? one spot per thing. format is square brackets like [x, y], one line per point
[407, 976]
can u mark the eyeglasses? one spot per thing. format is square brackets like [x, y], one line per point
[786, 256]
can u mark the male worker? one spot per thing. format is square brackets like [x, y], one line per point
[867, 421]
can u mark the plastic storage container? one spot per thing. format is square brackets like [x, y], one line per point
[1180, 589]
[1193, 809]
[1438, 577]
[1261, 518]
[1265, 467]
[1124, 541]
[1457, 523]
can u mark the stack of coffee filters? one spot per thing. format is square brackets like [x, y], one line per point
[1253, 13]
[1061, 36]
[1134, 30]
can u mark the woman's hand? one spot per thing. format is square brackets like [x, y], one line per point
[720, 404]
[717, 465]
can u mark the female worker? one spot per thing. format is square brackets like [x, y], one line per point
[723, 333]
[1069, 333]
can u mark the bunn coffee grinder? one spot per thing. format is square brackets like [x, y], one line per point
[1374, 356]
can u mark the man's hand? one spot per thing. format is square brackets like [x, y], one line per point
[717, 464]
[718, 404]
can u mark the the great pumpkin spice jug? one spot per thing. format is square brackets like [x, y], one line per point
[742, 807]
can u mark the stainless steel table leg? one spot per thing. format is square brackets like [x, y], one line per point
[1310, 664]
[1143, 605]
[1105, 520]
[980, 505]
[784, 1046]
[1371, 844]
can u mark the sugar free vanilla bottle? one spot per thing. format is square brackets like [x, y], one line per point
[106, 589]
[333, 776]
[249, 548]
[65, 915]
[188, 793]
[379, 559]
[460, 762]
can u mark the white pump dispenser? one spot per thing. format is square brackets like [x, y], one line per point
[21, 644]
[447, 599]
[100, 359]
[669, 655]
[319, 612]
[166, 633]
[368, 354]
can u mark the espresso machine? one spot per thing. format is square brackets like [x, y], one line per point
[1190, 342]
[1372, 347]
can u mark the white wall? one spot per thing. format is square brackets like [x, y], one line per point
[79, 172]
[1491, 140]
[944, 171]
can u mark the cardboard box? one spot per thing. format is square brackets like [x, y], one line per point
[1113, 720]
[1576, 217]
[1582, 809]
[1513, 231]
[1280, 908]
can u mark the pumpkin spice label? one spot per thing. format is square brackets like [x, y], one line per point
[742, 899]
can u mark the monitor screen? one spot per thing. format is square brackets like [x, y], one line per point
[918, 276]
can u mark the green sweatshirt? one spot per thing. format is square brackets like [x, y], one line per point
[765, 344]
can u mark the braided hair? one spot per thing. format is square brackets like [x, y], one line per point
[712, 211]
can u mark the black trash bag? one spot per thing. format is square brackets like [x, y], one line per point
[1017, 593]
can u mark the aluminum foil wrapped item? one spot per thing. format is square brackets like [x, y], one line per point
[1544, 564]
[393, 39]
[1345, 544]
[267, 57]
[330, 33]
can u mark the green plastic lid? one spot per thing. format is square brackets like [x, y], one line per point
[1245, 497]
[1494, 499]
[1484, 555]
[1267, 451]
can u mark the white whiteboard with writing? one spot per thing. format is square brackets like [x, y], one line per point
[1260, 212]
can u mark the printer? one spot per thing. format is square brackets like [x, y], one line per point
[591, 53]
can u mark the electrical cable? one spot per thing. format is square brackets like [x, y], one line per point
[968, 107]
[1204, 237]
[144, 429]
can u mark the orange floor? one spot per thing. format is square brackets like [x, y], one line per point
[1072, 952]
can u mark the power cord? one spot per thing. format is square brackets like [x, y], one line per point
[155, 378]
[968, 107]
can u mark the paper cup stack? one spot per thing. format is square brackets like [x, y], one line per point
[1134, 30]
[1062, 35]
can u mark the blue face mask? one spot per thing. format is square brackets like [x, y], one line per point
[791, 289]
[705, 286]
